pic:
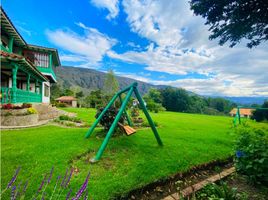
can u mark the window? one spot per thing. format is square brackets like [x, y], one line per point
[38, 58]
[46, 92]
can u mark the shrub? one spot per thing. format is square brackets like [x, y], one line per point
[61, 105]
[218, 192]
[26, 105]
[252, 154]
[67, 118]
[134, 112]
[108, 118]
[31, 111]
[7, 106]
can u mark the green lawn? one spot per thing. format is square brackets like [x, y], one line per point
[127, 163]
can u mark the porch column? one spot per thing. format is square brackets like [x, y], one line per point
[14, 83]
[10, 44]
[36, 83]
[41, 90]
[28, 82]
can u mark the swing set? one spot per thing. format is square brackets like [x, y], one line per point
[238, 115]
[122, 111]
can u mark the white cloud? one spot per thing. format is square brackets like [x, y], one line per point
[90, 47]
[180, 45]
[111, 5]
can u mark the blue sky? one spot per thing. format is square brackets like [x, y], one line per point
[160, 42]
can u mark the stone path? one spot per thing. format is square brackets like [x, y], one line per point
[194, 188]
[40, 123]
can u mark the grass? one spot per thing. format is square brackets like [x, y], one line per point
[127, 163]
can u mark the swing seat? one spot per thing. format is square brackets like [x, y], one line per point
[127, 129]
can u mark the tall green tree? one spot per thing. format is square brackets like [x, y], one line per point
[175, 99]
[111, 85]
[233, 20]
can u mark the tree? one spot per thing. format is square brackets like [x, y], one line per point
[261, 114]
[111, 85]
[175, 99]
[234, 20]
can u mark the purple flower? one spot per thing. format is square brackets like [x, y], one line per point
[42, 183]
[50, 175]
[69, 194]
[82, 189]
[63, 180]
[13, 191]
[13, 178]
[69, 178]
[239, 154]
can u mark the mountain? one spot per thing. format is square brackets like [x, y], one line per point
[90, 79]
[247, 100]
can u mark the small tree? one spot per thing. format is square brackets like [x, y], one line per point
[111, 85]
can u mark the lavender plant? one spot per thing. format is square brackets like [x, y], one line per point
[61, 185]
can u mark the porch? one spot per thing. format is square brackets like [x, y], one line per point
[21, 82]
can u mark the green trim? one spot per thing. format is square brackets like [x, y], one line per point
[4, 48]
[48, 71]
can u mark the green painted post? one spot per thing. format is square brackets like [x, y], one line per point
[112, 128]
[41, 90]
[238, 111]
[147, 116]
[125, 112]
[14, 83]
[10, 44]
[35, 86]
[28, 82]
[89, 132]
[50, 60]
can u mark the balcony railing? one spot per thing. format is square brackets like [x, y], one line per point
[22, 96]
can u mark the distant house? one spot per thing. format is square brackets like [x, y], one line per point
[244, 112]
[69, 100]
[27, 71]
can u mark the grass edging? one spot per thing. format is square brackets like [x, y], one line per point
[151, 188]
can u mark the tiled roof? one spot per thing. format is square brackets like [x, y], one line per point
[243, 111]
[66, 98]
[23, 61]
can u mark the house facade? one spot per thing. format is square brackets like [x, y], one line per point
[244, 112]
[27, 71]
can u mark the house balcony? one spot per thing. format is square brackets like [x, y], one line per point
[48, 72]
[11, 95]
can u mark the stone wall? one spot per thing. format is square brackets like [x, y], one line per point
[19, 120]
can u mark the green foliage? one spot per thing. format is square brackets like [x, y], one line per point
[94, 100]
[26, 105]
[68, 118]
[233, 20]
[108, 118]
[134, 112]
[111, 85]
[261, 114]
[31, 111]
[220, 192]
[252, 154]
[61, 105]
[154, 100]
[175, 99]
